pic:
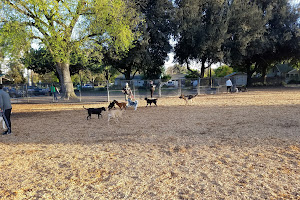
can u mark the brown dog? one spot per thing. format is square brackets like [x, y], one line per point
[120, 104]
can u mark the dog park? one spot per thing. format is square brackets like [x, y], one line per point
[227, 146]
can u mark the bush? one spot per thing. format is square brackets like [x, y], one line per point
[293, 82]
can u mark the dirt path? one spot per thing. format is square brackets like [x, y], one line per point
[229, 146]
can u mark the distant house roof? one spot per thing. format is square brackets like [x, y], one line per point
[284, 68]
[122, 77]
[294, 71]
[234, 74]
[177, 76]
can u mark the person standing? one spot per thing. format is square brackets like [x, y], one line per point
[54, 92]
[229, 85]
[5, 106]
[152, 88]
[127, 91]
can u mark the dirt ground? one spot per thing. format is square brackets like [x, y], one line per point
[227, 146]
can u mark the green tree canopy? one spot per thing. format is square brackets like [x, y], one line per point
[202, 29]
[262, 33]
[152, 47]
[63, 27]
[15, 72]
[223, 71]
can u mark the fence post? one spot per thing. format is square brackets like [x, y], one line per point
[80, 92]
[179, 87]
[198, 86]
[133, 89]
[159, 88]
[27, 93]
[107, 86]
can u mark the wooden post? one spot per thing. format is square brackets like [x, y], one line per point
[159, 88]
[179, 87]
[198, 86]
[107, 84]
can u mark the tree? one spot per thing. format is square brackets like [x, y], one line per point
[176, 69]
[67, 26]
[15, 73]
[263, 35]
[41, 62]
[223, 71]
[282, 39]
[152, 47]
[202, 29]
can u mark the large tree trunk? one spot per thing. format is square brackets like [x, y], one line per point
[60, 76]
[127, 74]
[203, 61]
[63, 70]
[264, 74]
[250, 73]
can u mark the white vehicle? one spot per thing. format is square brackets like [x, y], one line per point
[172, 83]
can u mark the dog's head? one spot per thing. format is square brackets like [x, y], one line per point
[146, 98]
[181, 96]
[111, 105]
[103, 109]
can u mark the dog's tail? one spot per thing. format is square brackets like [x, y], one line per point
[85, 108]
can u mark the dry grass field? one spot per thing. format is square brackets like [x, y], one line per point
[227, 146]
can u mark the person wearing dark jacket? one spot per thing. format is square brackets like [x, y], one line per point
[5, 106]
[152, 88]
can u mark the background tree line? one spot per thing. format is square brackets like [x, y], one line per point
[129, 37]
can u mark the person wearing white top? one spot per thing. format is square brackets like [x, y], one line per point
[229, 85]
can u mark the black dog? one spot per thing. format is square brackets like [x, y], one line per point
[94, 111]
[150, 101]
[111, 105]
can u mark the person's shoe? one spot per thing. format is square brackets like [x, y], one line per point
[5, 133]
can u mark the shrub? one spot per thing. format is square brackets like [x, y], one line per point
[293, 82]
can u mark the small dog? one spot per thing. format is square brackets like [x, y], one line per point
[111, 105]
[120, 104]
[242, 88]
[150, 101]
[133, 103]
[116, 114]
[187, 98]
[94, 111]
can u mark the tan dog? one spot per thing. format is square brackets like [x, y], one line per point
[114, 114]
[120, 104]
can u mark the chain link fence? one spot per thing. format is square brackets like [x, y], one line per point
[104, 91]
[107, 91]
